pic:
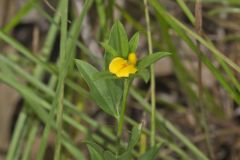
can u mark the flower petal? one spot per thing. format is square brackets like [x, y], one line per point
[132, 58]
[126, 71]
[117, 64]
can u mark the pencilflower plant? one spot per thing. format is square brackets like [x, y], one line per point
[109, 88]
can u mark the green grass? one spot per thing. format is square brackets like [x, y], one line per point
[51, 104]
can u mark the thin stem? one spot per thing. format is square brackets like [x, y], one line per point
[59, 105]
[30, 140]
[126, 86]
[39, 73]
[58, 101]
[17, 134]
[143, 138]
[203, 116]
[153, 98]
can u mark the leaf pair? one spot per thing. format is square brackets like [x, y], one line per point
[146, 61]
[106, 93]
[133, 43]
[98, 153]
[142, 66]
[106, 88]
[118, 44]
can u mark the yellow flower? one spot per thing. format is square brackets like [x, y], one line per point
[123, 68]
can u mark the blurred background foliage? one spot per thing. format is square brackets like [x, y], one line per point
[189, 125]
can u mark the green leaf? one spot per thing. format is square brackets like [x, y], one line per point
[150, 59]
[135, 135]
[109, 156]
[125, 156]
[97, 147]
[186, 10]
[119, 39]
[101, 13]
[25, 9]
[110, 49]
[151, 153]
[144, 74]
[104, 75]
[106, 93]
[133, 43]
[95, 151]
[73, 150]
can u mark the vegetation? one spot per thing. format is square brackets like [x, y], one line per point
[91, 83]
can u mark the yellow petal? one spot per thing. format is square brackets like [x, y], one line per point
[126, 71]
[132, 58]
[117, 64]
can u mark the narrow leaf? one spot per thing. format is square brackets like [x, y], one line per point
[103, 75]
[125, 156]
[144, 74]
[95, 151]
[135, 135]
[119, 39]
[94, 154]
[106, 93]
[150, 59]
[133, 43]
[97, 147]
[109, 156]
[73, 150]
[151, 153]
[110, 49]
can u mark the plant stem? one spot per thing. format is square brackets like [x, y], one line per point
[126, 86]
[153, 98]
[30, 139]
[203, 115]
[58, 101]
[17, 134]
